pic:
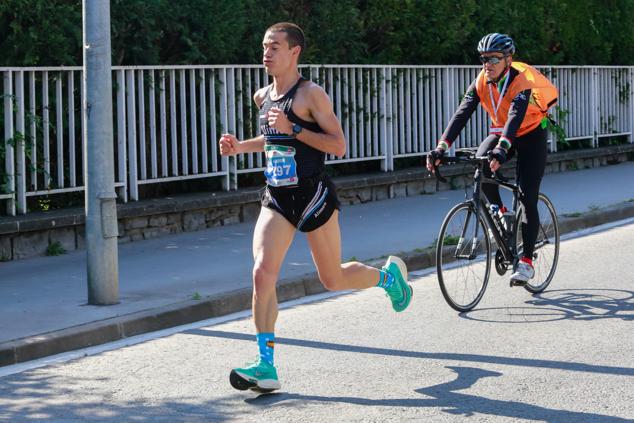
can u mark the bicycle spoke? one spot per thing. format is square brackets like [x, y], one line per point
[546, 247]
[463, 274]
[464, 268]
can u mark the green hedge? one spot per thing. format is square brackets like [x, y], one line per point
[151, 32]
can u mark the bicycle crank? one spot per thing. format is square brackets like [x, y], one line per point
[501, 266]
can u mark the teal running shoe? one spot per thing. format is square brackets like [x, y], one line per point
[259, 376]
[400, 292]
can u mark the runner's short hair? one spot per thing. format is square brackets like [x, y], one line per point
[294, 34]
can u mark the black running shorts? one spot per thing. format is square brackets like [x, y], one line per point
[306, 206]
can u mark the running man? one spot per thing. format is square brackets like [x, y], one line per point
[517, 98]
[298, 126]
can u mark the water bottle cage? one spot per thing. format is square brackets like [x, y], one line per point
[494, 211]
[503, 221]
[508, 219]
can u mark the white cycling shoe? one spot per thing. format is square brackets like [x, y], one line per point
[522, 274]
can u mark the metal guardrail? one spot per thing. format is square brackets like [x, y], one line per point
[168, 119]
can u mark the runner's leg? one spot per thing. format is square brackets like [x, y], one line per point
[271, 240]
[325, 246]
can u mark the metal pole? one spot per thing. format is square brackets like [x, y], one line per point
[101, 207]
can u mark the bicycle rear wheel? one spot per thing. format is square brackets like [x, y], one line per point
[463, 260]
[546, 253]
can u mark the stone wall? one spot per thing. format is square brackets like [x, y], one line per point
[33, 234]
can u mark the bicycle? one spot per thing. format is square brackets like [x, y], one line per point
[462, 252]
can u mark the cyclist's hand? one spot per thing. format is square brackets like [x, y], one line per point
[497, 156]
[433, 158]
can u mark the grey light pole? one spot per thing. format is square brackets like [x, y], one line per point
[101, 207]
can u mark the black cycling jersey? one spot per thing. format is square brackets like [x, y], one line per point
[308, 161]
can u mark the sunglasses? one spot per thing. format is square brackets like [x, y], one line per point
[494, 60]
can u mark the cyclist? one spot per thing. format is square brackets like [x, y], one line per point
[517, 98]
[298, 126]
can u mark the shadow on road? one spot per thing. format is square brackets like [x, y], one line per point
[445, 396]
[563, 304]
[38, 397]
[477, 358]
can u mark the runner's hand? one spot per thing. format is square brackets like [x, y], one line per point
[229, 145]
[278, 120]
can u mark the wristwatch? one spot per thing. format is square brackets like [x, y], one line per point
[297, 128]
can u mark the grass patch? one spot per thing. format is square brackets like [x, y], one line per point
[449, 240]
[196, 296]
[55, 249]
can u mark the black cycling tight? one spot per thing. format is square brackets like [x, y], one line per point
[531, 149]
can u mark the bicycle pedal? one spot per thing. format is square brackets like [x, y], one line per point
[517, 283]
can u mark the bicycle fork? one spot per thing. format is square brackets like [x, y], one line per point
[462, 239]
[474, 242]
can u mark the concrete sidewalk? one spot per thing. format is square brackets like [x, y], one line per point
[192, 276]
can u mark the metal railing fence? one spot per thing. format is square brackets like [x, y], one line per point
[168, 119]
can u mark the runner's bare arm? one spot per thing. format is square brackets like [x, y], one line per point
[230, 145]
[332, 140]
[318, 106]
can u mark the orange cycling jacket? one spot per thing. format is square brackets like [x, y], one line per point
[543, 96]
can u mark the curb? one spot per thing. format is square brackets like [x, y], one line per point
[100, 332]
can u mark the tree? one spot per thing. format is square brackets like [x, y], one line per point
[40, 33]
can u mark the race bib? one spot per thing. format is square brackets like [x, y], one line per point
[281, 168]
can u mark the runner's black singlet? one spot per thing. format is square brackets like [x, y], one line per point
[307, 161]
[297, 185]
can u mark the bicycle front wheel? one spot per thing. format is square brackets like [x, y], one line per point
[463, 257]
[546, 252]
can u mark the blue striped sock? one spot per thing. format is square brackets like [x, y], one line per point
[266, 344]
[386, 279]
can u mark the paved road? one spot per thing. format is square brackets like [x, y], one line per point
[49, 293]
[564, 355]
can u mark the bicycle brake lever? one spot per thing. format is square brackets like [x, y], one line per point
[438, 175]
[498, 175]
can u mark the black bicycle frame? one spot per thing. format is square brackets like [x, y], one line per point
[508, 248]
[478, 203]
